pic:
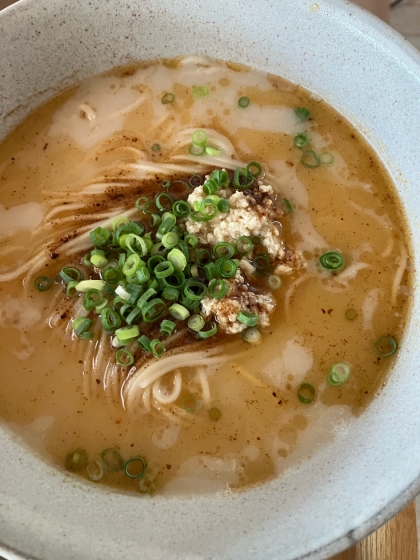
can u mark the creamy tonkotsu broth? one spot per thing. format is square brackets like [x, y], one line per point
[215, 413]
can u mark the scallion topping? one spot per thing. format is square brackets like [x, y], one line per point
[385, 346]
[218, 288]
[76, 460]
[42, 283]
[247, 318]
[135, 467]
[196, 323]
[214, 414]
[351, 314]
[179, 312]
[199, 138]
[112, 460]
[190, 403]
[223, 206]
[243, 245]
[69, 273]
[124, 358]
[157, 348]
[200, 91]
[156, 147]
[254, 168]
[274, 281]
[338, 374]
[310, 159]
[306, 393]
[326, 157]
[168, 98]
[301, 140]
[288, 206]
[224, 250]
[167, 327]
[252, 335]
[302, 113]
[211, 331]
[243, 102]
[81, 325]
[332, 260]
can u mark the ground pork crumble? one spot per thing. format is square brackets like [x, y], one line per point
[253, 212]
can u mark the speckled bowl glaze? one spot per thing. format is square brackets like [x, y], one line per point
[371, 468]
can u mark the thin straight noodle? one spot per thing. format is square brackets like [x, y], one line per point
[205, 387]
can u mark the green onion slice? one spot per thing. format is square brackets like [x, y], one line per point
[124, 358]
[135, 467]
[112, 460]
[111, 275]
[385, 346]
[81, 325]
[144, 343]
[196, 323]
[168, 98]
[226, 267]
[195, 290]
[214, 414]
[190, 403]
[223, 206]
[110, 319]
[157, 348]
[71, 290]
[69, 273]
[171, 294]
[288, 205]
[243, 102]
[326, 157]
[95, 470]
[200, 91]
[252, 335]
[301, 140]
[156, 147]
[42, 283]
[274, 281]
[302, 113]
[306, 393]
[332, 260]
[179, 312]
[243, 245]
[86, 285]
[351, 314]
[167, 327]
[242, 179]
[199, 138]
[217, 288]
[212, 330]
[247, 318]
[310, 159]
[76, 460]
[100, 236]
[177, 258]
[164, 269]
[92, 299]
[223, 250]
[196, 150]
[153, 310]
[163, 202]
[254, 168]
[181, 209]
[195, 181]
[338, 374]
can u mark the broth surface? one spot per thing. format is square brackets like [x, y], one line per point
[86, 137]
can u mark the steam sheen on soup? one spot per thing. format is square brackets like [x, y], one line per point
[265, 292]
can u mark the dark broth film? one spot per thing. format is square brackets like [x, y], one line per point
[198, 262]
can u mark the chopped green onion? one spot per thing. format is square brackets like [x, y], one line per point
[242, 179]
[164, 269]
[217, 288]
[43, 283]
[177, 258]
[199, 286]
[191, 240]
[338, 374]
[326, 158]
[181, 209]
[143, 204]
[243, 102]
[208, 209]
[124, 358]
[86, 285]
[156, 220]
[385, 346]
[122, 292]
[256, 240]
[156, 147]
[179, 312]
[119, 221]
[227, 268]
[223, 206]
[175, 280]
[135, 467]
[133, 316]
[301, 140]
[88, 335]
[310, 159]
[92, 299]
[208, 333]
[302, 113]
[132, 264]
[157, 347]
[95, 470]
[69, 273]
[110, 319]
[190, 403]
[167, 327]
[164, 202]
[209, 188]
[274, 281]
[223, 250]
[200, 91]
[214, 414]
[332, 260]
[199, 138]
[252, 335]
[195, 181]
[126, 334]
[153, 310]
[171, 294]
[98, 258]
[112, 460]
[100, 236]
[306, 393]
[143, 274]
[243, 245]
[81, 325]
[247, 318]
[111, 275]
[71, 289]
[196, 150]
[168, 98]
[196, 323]
[212, 151]
[144, 343]
[351, 314]
[76, 460]
[170, 239]
[288, 206]
[202, 257]
[210, 270]
[254, 169]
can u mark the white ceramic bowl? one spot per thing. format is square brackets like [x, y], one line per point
[349, 486]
